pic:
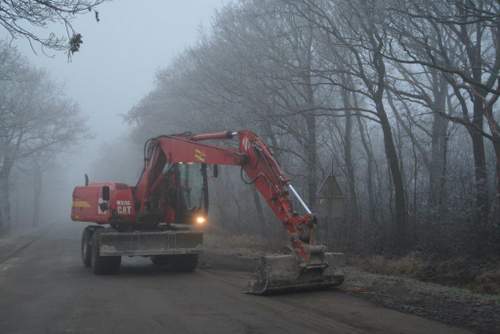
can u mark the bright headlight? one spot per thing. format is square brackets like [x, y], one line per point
[200, 220]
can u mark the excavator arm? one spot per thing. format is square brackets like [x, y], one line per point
[256, 161]
[310, 266]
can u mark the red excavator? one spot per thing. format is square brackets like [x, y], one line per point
[162, 217]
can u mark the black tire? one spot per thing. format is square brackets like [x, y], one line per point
[177, 263]
[183, 262]
[86, 248]
[103, 265]
[160, 260]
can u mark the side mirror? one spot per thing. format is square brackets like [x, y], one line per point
[105, 193]
[216, 170]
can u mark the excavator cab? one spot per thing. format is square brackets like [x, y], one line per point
[192, 194]
[180, 198]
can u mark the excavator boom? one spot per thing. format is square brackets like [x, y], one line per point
[309, 266]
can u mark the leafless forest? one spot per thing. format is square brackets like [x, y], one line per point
[397, 99]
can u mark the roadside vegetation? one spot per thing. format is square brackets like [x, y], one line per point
[474, 275]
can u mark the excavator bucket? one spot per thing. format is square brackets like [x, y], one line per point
[286, 273]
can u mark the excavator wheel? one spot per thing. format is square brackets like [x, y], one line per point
[86, 245]
[86, 251]
[184, 262]
[177, 263]
[103, 265]
[160, 260]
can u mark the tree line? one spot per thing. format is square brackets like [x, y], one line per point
[37, 120]
[396, 97]
[37, 123]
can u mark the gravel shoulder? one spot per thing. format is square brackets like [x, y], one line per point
[453, 306]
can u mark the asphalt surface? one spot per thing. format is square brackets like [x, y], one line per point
[45, 289]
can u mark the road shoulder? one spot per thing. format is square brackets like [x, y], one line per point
[453, 306]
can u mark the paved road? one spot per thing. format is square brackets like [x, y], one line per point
[45, 289]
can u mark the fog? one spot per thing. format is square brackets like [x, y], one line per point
[359, 132]
[117, 63]
[115, 67]
[338, 94]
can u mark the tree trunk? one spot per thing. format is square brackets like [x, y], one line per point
[437, 166]
[370, 168]
[4, 201]
[480, 170]
[495, 132]
[37, 192]
[353, 216]
[310, 118]
[370, 172]
[399, 239]
[239, 223]
[260, 213]
[311, 154]
[481, 174]
[496, 209]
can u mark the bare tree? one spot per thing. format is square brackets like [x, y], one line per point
[22, 18]
[34, 120]
[460, 40]
[358, 28]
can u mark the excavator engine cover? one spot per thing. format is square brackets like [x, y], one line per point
[286, 273]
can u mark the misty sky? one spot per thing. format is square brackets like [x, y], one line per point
[120, 55]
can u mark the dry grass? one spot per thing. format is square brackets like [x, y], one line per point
[409, 265]
[460, 272]
[487, 282]
[239, 244]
